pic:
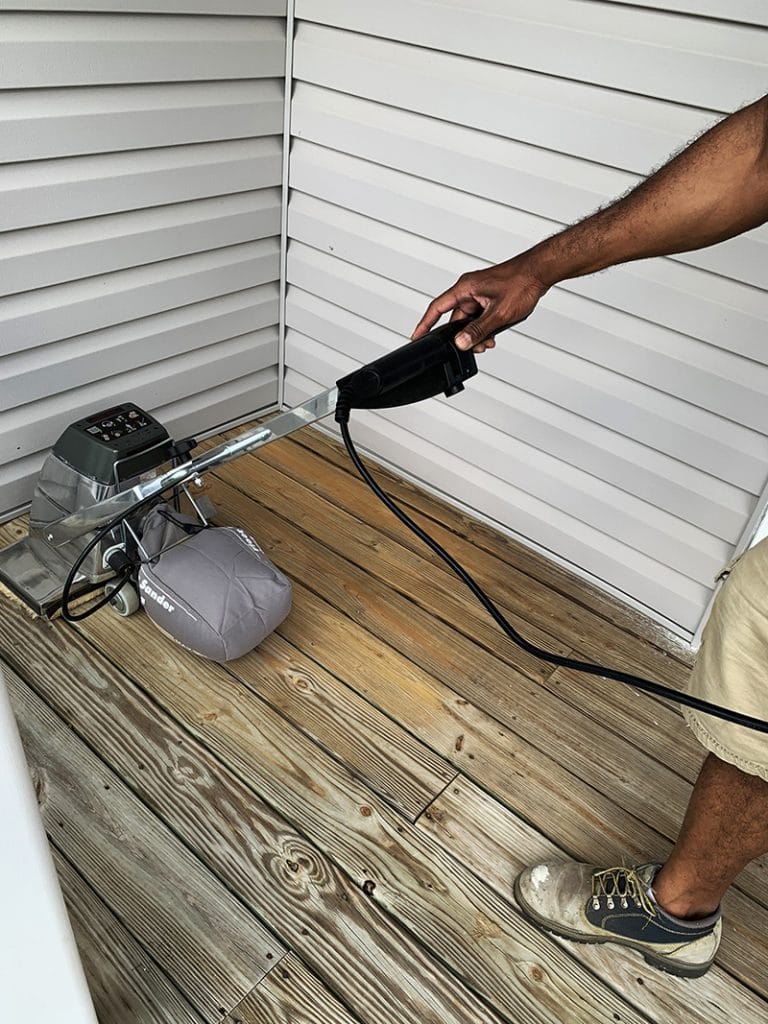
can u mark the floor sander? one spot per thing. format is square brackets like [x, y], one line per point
[106, 512]
[106, 515]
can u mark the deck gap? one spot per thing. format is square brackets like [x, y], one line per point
[646, 632]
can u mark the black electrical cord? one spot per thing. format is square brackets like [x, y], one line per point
[123, 576]
[735, 717]
[180, 449]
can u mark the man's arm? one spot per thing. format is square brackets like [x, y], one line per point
[717, 187]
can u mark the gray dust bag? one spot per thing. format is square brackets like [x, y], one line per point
[217, 593]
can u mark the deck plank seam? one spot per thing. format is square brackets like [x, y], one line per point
[561, 762]
[655, 634]
[396, 920]
[114, 912]
[436, 797]
[141, 799]
[448, 623]
[386, 798]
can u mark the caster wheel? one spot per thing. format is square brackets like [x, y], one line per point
[125, 602]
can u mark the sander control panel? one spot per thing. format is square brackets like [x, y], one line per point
[115, 445]
[115, 423]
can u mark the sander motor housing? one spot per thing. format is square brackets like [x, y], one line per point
[93, 459]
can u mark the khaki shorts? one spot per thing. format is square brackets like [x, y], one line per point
[732, 665]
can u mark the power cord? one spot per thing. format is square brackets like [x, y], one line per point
[648, 685]
[123, 574]
[125, 566]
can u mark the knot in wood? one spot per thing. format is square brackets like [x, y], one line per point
[301, 681]
[369, 887]
[40, 782]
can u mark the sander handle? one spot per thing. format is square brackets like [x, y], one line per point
[414, 371]
[85, 520]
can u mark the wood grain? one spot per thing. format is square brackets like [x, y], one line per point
[290, 994]
[506, 844]
[571, 737]
[127, 986]
[497, 569]
[424, 580]
[538, 757]
[563, 729]
[655, 726]
[469, 928]
[600, 615]
[404, 771]
[346, 938]
[190, 923]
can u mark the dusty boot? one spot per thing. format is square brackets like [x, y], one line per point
[587, 904]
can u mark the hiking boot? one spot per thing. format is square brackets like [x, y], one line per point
[586, 904]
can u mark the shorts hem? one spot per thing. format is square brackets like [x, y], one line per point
[714, 746]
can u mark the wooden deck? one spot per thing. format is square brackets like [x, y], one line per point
[325, 831]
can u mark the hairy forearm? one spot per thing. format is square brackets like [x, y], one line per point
[714, 189]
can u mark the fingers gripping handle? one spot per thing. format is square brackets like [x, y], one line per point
[415, 371]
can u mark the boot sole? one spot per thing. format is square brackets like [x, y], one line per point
[659, 961]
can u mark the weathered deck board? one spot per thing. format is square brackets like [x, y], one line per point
[432, 647]
[406, 772]
[127, 986]
[546, 754]
[293, 778]
[655, 726]
[337, 928]
[290, 994]
[190, 923]
[488, 948]
[614, 771]
[532, 712]
[590, 636]
[466, 925]
[585, 604]
[425, 582]
[628, 713]
[504, 846]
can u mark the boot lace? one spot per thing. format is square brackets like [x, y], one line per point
[622, 885]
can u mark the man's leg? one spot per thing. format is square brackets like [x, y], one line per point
[670, 913]
[725, 827]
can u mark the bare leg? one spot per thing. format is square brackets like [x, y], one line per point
[725, 827]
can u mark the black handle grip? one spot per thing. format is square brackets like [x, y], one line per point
[415, 371]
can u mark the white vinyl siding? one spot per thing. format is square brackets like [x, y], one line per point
[624, 427]
[140, 206]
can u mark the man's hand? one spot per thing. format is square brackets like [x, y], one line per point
[498, 297]
[714, 189]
